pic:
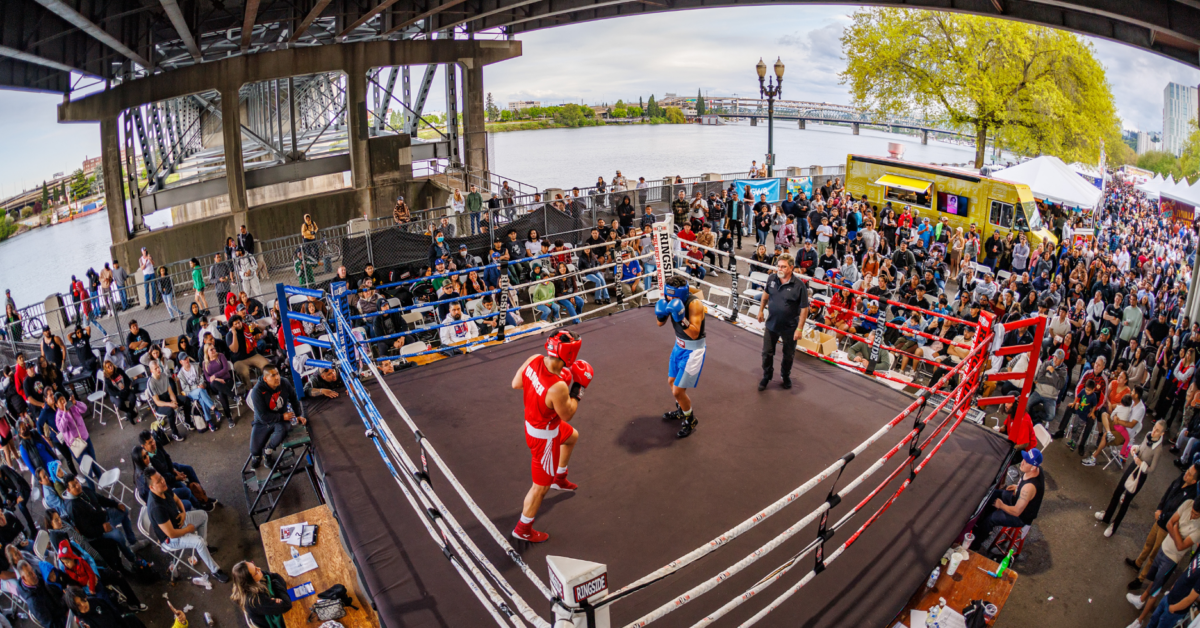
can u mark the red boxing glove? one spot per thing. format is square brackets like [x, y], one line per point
[581, 373]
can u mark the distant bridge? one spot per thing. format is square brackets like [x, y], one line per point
[805, 111]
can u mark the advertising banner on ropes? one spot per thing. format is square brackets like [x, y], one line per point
[770, 187]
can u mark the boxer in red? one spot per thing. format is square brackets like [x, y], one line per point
[553, 384]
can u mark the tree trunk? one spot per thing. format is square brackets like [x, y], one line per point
[980, 144]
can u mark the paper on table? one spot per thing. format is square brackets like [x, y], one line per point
[291, 534]
[950, 618]
[301, 564]
[916, 619]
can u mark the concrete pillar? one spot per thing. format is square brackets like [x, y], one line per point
[924, 136]
[753, 121]
[854, 127]
[1191, 307]
[360, 157]
[474, 118]
[801, 124]
[114, 185]
[235, 170]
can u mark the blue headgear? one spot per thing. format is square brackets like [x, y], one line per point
[677, 292]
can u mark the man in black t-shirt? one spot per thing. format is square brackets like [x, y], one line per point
[138, 341]
[785, 302]
[176, 528]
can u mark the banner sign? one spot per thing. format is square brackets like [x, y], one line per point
[663, 256]
[796, 185]
[770, 187]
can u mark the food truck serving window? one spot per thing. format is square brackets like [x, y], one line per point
[905, 190]
[1001, 214]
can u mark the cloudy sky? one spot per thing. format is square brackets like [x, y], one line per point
[713, 50]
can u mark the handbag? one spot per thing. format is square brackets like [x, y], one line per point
[78, 446]
[331, 603]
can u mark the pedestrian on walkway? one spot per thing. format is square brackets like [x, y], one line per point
[198, 285]
[146, 266]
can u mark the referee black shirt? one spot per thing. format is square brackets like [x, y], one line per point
[784, 303]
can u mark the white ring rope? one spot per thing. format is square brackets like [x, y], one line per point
[393, 445]
[491, 599]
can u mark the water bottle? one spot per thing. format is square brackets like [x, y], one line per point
[208, 618]
[295, 552]
[933, 577]
[1004, 564]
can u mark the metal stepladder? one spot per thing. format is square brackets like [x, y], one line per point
[294, 455]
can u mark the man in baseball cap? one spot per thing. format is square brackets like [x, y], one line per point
[1016, 505]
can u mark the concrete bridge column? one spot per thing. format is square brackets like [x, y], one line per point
[360, 156]
[753, 121]
[235, 171]
[801, 124]
[474, 118]
[924, 136]
[114, 188]
[854, 127]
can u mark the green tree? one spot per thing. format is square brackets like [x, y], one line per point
[1120, 155]
[620, 104]
[652, 108]
[45, 195]
[1041, 89]
[1160, 162]
[81, 184]
[493, 112]
[506, 115]
[701, 106]
[675, 116]
[633, 112]
[1189, 161]
[570, 115]
[618, 112]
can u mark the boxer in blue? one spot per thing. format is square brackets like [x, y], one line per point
[686, 314]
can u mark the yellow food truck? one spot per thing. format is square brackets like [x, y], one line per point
[934, 192]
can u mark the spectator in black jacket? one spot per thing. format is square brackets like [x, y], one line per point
[45, 606]
[95, 515]
[95, 611]
[262, 595]
[387, 323]
[275, 404]
[15, 491]
[177, 475]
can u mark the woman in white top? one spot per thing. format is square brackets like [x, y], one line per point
[458, 207]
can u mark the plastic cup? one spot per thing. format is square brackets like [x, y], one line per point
[989, 611]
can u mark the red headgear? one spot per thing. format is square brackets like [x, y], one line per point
[564, 345]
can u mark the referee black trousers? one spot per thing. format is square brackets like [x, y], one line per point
[770, 339]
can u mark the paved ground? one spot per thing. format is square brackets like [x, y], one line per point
[1067, 558]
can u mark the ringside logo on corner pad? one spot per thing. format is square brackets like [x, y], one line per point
[591, 587]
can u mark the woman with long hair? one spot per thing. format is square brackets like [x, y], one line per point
[218, 372]
[260, 594]
[567, 283]
[12, 322]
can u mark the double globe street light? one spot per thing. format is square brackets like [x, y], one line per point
[770, 90]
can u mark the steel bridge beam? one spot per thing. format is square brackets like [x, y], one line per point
[77, 19]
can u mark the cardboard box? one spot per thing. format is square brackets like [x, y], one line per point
[817, 342]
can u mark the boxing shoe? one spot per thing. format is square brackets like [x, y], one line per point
[561, 483]
[674, 415]
[525, 532]
[689, 426]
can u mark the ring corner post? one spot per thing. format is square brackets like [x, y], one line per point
[285, 320]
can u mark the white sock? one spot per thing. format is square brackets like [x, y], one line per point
[525, 519]
[561, 471]
[687, 413]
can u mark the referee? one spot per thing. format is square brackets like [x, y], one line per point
[785, 300]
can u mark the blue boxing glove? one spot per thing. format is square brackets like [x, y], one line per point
[676, 309]
[661, 311]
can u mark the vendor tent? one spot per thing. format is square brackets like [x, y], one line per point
[1054, 181]
[1150, 188]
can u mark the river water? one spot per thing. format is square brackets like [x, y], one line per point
[38, 263]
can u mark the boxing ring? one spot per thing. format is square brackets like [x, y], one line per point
[831, 501]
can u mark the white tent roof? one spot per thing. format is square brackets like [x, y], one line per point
[1052, 180]
[1151, 187]
[1181, 191]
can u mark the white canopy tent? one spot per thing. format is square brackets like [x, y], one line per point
[1150, 188]
[1052, 180]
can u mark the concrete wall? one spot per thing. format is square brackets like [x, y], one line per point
[277, 193]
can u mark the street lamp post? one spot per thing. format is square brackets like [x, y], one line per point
[770, 90]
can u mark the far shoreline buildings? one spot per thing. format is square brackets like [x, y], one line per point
[1180, 109]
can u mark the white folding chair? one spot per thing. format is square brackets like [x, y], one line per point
[41, 543]
[97, 399]
[9, 590]
[717, 292]
[393, 302]
[178, 557]
[307, 351]
[413, 347]
[473, 306]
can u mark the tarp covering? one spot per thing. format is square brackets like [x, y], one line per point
[904, 183]
[1054, 181]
